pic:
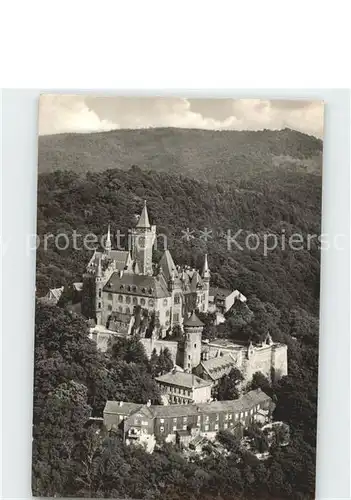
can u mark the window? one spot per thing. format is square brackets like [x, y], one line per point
[176, 299]
[251, 411]
[109, 307]
[144, 422]
[230, 416]
[127, 310]
[258, 407]
[226, 416]
[162, 420]
[237, 416]
[174, 427]
[184, 419]
[120, 309]
[109, 296]
[120, 298]
[217, 417]
[225, 426]
[99, 305]
[167, 313]
[128, 299]
[167, 323]
[189, 357]
[175, 420]
[207, 418]
[194, 346]
[135, 300]
[184, 427]
[176, 317]
[151, 303]
[162, 429]
[246, 414]
[207, 427]
[165, 302]
[100, 292]
[241, 415]
[142, 302]
[216, 427]
[189, 365]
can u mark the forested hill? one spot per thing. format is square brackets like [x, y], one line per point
[281, 204]
[209, 155]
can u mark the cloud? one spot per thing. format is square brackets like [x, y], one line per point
[63, 113]
[59, 114]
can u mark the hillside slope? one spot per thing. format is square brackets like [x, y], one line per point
[201, 154]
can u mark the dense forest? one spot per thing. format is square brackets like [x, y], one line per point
[73, 380]
[201, 154]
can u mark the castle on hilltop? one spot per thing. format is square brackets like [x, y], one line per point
[126, 294]
[116, 281]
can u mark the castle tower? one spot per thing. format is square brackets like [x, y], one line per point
[108, 245]
[206, 276]
[98, 293]
[192, 346]
[143, 238]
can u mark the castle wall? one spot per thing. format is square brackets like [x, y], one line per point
[151, 344]
[280, 361]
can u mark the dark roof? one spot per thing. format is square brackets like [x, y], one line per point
[167, 264]
[193, 320]
[220, 292]
[183, 379]
[137, 284]
[246, 402]
[219, 366]
[143, 221]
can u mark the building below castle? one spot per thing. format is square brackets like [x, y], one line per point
[144, 424]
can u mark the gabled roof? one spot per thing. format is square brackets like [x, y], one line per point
[217, 367]
[182, 379]
[244, 403]
[143, 221]
[196, 281]
[167, 264]
[193, 320]
[120, 257]
[137, 284]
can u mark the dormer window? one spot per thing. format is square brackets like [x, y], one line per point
[121, 287]
[134, 288]
[143, 290]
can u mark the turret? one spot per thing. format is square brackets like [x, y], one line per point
[143, 238]
[192, 345]
[98, 290]
[108, 245]
[206, 276]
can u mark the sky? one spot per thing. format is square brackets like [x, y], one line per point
[82, 113]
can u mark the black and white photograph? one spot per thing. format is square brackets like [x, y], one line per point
[177, 297]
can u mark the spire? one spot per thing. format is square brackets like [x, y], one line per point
[143, 221]
[108, 245]
[206, 270]
[99, 269]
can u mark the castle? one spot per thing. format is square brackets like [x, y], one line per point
[125, 294]
[116, 281]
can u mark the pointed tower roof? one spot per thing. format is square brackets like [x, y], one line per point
[205, 270]
[193, 320]
[108, 239]
[143, 221]
[167, 264]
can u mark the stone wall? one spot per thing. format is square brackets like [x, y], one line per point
[158, 344]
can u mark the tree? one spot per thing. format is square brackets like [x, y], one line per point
[228, 387]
